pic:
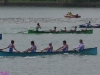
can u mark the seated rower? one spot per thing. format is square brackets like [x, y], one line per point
[89, 24]
[33, 48]
[49, 48]
[75, 29]
[11, 47]
[53, 30]
[38, 26]
[81, 46]
[64, 29]
[64, 48]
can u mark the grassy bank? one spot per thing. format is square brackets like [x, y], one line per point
[70, 3]
[67, 1]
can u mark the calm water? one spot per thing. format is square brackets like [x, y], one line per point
[16, 19]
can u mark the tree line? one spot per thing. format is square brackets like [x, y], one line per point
[81, 1]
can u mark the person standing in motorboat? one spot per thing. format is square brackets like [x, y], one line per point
[38, 27]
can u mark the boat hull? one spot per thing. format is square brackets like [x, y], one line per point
[73, 16]
[89, 51]
[61, 32]
[83, 26]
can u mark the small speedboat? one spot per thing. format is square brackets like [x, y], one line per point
[73, 16]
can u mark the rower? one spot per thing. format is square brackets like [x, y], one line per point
[33, 48]
[89, 24]
[38, 26]
[81, 46]
[53, 30]
[64, 48]
[49, 48]
[11, 47]
[64, 29]
[75, 29]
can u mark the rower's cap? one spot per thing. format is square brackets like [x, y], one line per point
[50, 43]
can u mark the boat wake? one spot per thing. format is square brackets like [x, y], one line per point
[46, 20]
[30, 57]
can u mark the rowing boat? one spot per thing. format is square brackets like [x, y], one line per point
[84, 26]
[88, 51]
[61, 32]
[73, 16]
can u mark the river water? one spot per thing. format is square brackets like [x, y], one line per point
[19, 19]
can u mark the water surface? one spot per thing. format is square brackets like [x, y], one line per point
[17, 19]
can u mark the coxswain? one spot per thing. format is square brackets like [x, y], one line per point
[38, 27]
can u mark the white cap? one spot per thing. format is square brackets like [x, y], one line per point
[50, 43]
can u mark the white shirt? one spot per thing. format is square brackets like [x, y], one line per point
[10, 46]
[81, 46]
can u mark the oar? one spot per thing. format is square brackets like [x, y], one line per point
[6, 48]
[74, 26]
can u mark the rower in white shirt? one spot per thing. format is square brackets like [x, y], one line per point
[81, 46]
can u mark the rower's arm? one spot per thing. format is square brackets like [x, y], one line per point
[5, 48]
[35, 47]
[29, 49]
[14, 48]
[45, 48]
[60, 48]
[52, 49]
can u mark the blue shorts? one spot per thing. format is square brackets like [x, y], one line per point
[10, 49]
[80, 49]
[65, 50]
[33, 51]
[49, 51]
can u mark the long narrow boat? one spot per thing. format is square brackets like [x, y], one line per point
[88, 51]
[62, 32]
[84, 26]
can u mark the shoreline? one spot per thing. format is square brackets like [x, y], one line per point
[51, 4]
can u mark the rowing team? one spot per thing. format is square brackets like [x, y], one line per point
[33, 48]
[54, 30]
